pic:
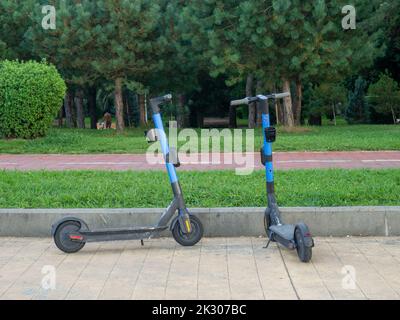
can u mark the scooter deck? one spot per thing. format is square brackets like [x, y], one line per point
[126, 230]
[284, 234]
[284, 230]
[133, 233]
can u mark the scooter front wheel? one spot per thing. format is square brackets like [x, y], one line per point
[304, 251]
[267, 224]
[62, 237]
[188, 239]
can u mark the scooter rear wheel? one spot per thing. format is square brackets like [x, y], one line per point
[62, 239]
[188, 239]
[304, 252]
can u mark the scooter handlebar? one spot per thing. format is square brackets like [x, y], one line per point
[167, 97]
[248, 100]
[240, 102]
[281, 95]
[157, 101]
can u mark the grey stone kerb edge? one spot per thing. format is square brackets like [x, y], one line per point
[218, 222]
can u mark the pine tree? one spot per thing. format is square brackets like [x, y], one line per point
[357, 110]
[324, 98]
[15, 17]
[127, 45]
[184, 55]
[385, 95]
[117, 41]
[69, 47]
[287, 41]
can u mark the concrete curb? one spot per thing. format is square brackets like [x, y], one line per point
[224, 222]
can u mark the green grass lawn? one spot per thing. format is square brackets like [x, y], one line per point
[325, 138]
[92, 189]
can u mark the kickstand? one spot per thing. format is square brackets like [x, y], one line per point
[269, 241]
[141, 242]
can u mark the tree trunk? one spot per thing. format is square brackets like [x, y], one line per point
[252, 107]
[60, 116]
[199, 118]
[287, 102]
[180, 112]
[232, 117]
[80, 113]
[299, 97]
[68, 109]
[73, 111]
[142, 110]
[278, 109]
[315, 120]
[92, 107]
[393, 115]
[334, 113]
[128, 108]
[259, 88]
[276, 112]
[119, 105]
[281, 112]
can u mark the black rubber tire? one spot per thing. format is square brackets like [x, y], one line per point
[62, 240]
[304, 252]
[188, 240]
[267, 224]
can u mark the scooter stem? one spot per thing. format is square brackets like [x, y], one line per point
[173, 177]
[269, 168]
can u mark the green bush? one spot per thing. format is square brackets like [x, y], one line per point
[31, 94]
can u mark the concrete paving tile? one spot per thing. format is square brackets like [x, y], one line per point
[96, 272]
[183, 274]
[368, 280]
[216, 268]
[36, 280]
[305, 278]
[243, 278]
[20, 262]
[68, 272]
[153, 276]
[213, 277]
[332, 273]
[382, 261]
[122, 279]
[274, 279]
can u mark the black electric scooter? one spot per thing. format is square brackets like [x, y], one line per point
[290, 236]
[71, 234]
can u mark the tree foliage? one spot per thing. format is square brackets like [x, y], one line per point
[357, 110]
[385, 96]
[155, 46]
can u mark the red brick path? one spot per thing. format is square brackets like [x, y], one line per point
[282, 160]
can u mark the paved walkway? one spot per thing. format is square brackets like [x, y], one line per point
[216, 268]
[216, 161]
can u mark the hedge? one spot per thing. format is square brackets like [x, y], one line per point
[31, 94]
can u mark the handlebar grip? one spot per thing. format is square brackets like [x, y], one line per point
[157, 101]
[281, 95]
[240, 102]
[167, 97]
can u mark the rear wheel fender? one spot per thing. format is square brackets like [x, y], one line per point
[84, 226]
[308, 240]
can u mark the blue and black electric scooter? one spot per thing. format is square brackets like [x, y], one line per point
[70, 233]
[291, 236]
